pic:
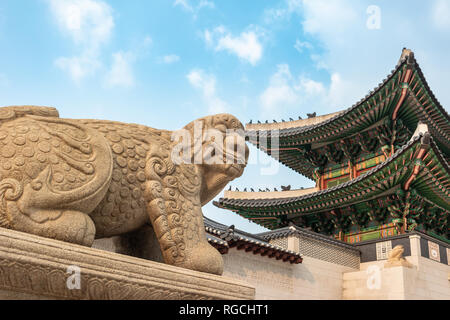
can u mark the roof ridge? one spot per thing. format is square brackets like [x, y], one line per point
[250, 237]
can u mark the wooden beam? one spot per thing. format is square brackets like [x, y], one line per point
[272, 254]
[249, 247]
[242, 245]
[260, 250]
[281, 256]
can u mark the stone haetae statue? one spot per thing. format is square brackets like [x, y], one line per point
[78, 180]
[396, 258]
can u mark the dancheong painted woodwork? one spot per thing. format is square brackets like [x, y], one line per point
[380, 167]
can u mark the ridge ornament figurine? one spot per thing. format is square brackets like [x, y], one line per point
[80, 180]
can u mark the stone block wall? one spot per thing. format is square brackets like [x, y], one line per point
[320, 249]
[328, 271]
[277, 280]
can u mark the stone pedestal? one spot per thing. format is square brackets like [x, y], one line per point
[376, 283]
[33, 267]
[426, 279]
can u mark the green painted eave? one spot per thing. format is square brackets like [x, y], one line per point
[432, 183]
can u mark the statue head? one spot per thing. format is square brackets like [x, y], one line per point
[216, 145]
[397, 252]
[396, 258]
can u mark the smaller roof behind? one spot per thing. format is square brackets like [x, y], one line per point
[244, 240]
[295, 230]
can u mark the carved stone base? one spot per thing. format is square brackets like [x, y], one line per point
[33, 267]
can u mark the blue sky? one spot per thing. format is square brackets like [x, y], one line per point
[163, 63]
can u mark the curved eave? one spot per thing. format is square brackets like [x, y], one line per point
[427, 108]
[432, 183]
[244, 241]
[219, 244]
[377, 105]
[265, 249]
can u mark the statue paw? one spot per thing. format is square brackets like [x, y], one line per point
[205, 258]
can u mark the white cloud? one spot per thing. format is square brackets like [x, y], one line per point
[311, 87]
[194, 9]
[282, 12]
[184, 4]
[121, 73]
[364, 57]
[206, 4]
[80, 66]
[441, 14]
[211, 36]
[356, 57]
[171, 58]
[247, 46]
[338, 92]
[328, 16]
[89, 23]
[277, 97]
[206, 83]
[280, 94]
[301, 94]
[301, 45]
[319, 61]
[339, 26]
